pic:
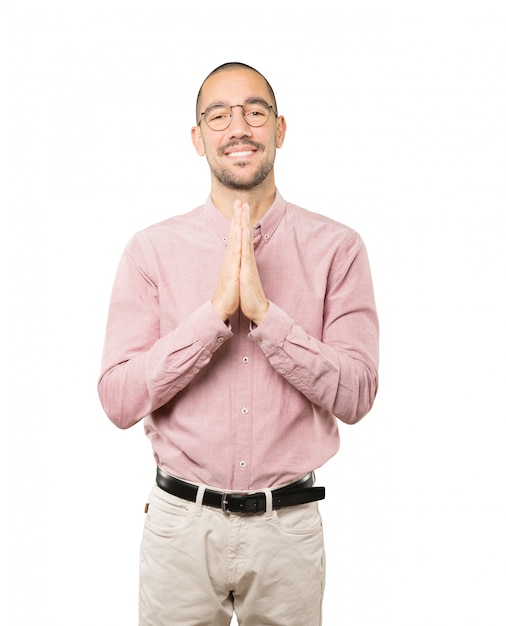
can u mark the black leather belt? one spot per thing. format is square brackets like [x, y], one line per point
[299, 492]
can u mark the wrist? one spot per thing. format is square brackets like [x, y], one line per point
[260, 316]
[220, 311]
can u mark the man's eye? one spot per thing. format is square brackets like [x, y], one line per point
[219, 114]
[256, 110]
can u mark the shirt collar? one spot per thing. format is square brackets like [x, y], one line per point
[266, 227]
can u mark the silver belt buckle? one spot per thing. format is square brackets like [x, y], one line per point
[224, 502]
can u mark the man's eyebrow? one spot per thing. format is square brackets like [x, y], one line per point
[247, 101]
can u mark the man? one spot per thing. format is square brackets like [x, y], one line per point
[240, 332]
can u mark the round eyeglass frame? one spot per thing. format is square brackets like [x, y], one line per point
[232, 106]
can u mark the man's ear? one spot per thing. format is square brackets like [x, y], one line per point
[198, 142]
[280, 131]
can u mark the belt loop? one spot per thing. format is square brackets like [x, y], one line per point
[198, 500]
[268, 504]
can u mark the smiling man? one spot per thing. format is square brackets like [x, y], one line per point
[241, 153]
[240, 332]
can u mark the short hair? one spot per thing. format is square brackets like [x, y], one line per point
[234, 65]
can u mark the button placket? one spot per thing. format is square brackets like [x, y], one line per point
[242, 425]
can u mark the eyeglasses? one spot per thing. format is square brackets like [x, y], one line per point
[255, 113]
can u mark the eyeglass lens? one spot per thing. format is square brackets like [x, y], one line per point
[219, 116]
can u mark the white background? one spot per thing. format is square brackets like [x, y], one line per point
[396, 127]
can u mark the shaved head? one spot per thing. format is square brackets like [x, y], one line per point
[227, 67]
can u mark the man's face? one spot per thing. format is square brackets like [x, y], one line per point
[240, 156]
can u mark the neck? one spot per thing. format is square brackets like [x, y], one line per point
[259, 199]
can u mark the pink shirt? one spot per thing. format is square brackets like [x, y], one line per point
[235, 406]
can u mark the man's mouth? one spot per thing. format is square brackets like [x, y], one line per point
[241, 153]
[237, 151]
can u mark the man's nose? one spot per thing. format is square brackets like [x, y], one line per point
[238, 126]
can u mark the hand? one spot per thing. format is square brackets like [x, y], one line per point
[239, 282]
[227, 293]
[253, 302]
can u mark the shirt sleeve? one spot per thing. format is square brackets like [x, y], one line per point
[141, 371]
[339, 370]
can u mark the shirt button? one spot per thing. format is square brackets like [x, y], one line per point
[220, 339]
[242, 463]
[283, 371]
[245, 359]
[259, 340]
[244, 410]
[195, 370]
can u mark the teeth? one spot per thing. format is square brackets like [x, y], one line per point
[243, 153]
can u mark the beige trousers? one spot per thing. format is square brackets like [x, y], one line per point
[199, 565]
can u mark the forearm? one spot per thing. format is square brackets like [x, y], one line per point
[341, 378]
[136, 382]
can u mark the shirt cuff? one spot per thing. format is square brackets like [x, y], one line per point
[273, 330]
[208, 326]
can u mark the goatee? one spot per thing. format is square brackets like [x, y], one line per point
[230, 180]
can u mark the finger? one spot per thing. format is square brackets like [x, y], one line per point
[245, 218]
[234, 235]
[246, 241]
[246, 236]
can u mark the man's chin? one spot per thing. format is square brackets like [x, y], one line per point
[242, 182]
[241, 185]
